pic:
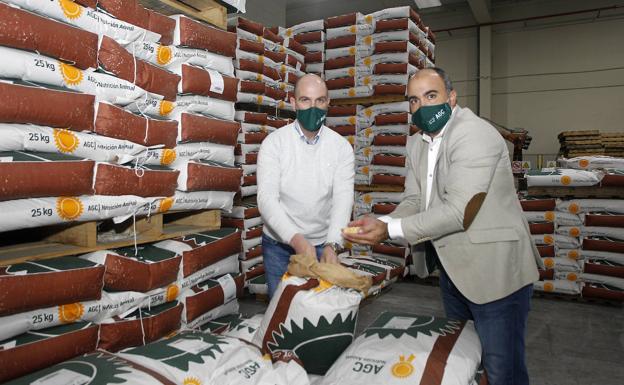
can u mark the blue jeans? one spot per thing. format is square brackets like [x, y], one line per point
[276, 258]
[501, 326]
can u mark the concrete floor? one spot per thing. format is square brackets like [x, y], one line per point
[568, 343]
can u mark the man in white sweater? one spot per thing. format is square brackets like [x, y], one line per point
[305, 184]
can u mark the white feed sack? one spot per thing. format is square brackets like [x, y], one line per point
[310, 26]
[26, 137]
[359, 51]
[354, 92]
[191, 200]
[204, 105]
[309, 321]
[557, 217]
[563, 177]
[359, 71]
[358, 30]
[577, 206]
[172, 57]
[110, 305]
[561, 241]
[592, 162]
[385, 108]
[36, 212]
[562, 286]
[615, 233]
[32, 67]
[403, 348]
[88, 19]
[194, 357]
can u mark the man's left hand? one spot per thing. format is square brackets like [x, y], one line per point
[329, 256]
[371, 231]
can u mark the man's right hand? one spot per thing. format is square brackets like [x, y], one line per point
[302, 246]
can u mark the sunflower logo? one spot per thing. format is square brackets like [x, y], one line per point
[351, 52]
[549, 263]
[259, 39]
[549, 216]
[282, 86]
[289, 32]
[283, 69]
[322, 286]
[261, 59]
[365, 170]
[163, 54]
[71, 312]
[367, 199]
[351, 92]
[574, 232]
[351, 119]
[549, 240]
[353, 29]
[573, 254]
[368, 40]
[572, 277]
[259, 77]
[583, 163]
[368, 112]
[72, 76]
[165, 107]
[351, 139]
[168, 156]
[549, 287]
[404, 367]
[259, 99]
[172, 292]
[368, 62]
[65, 140]
[165, 204]
[281, 105]
[71, 10]
[566, 180]
[352, 71]
[367, 80]
[192, 381]
[69, 208]
[574, 208]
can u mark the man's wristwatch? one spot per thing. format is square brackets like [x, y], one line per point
[334, 246]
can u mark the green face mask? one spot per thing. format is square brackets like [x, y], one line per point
[432, 118]
[312, 118]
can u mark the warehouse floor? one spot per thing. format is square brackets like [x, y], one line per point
[568, 343]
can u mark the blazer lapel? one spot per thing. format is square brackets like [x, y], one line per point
[422, 164]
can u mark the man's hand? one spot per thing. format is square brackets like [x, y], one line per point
[329, 256]
[302, 246]
[371, 231]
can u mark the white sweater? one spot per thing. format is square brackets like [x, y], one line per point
[305, 188]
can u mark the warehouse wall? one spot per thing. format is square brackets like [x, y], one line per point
[268, 12]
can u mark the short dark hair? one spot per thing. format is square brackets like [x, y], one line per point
[442, 74]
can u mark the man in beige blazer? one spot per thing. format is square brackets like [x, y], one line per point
[460, 201]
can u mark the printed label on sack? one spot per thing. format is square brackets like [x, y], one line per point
[190, 346]
[63, 377]
[4, 159]
[216, 82]
[400, 323]
[229, 287]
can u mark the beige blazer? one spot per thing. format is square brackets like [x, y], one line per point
[474, 218]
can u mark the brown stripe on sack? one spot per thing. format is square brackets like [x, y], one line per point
[281, 310]
[436, 362]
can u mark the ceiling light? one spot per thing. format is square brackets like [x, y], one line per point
[427, 3]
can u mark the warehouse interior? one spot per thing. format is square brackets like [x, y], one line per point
[138, 234]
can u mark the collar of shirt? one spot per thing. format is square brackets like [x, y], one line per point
[439, 136]
[312, 141]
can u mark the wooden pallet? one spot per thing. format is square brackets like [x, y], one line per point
[80, 238]
[577, 192]
[368, 100]
[379, 187]
[576, 298]
[208, 11]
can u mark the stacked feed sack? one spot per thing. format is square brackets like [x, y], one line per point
[380, 145]
[87, 127]
[41, 311]
[346, 120]
[311, 36]
[348, 44]
[597, 228]
[245, 216]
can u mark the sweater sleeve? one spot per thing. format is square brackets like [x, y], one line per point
[271, 210]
